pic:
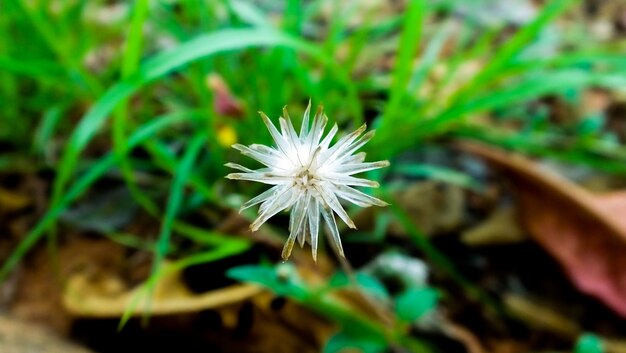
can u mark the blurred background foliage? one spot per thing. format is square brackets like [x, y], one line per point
[127, 110]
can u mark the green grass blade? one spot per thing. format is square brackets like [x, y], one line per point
[46, 128]
[409, 44]
[431, 55]
[535, 86]
[80, 186]
[203, 236]
[516, 44]
[159, 66]
[177, 192]
[174, 203]
[217, 253]
[130, 62]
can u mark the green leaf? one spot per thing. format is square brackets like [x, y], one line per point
[413, 303]
[352, 340]
[282, 279]
[438, 173]
[366, 281]
[589, 343]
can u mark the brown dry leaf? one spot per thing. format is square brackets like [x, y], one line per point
[18, 336]
[541, 316]
[586, 233]
[435, 207]
[108, 297]
[11, 201]
[614, 345]
[502, 227]
[460, 333]
[37, 296]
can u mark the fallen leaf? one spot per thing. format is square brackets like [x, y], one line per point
[465, 336]
[541, 316]
[435, 207]
[18, 336]
[502, 227]
[11, 201]
[585, 233]
[107, 297]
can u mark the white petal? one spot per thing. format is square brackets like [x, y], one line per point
[263, 196]
[337, 178]
[281, 143]
[357, 197]
[266, 159]
[355, 168]
[326, 141]
[302, 233]
[305, 121]
[342, 144]
[239, 167]
[349, 150]
[288, 131]
[262, 177]
[333, 232]
[275, 205]
[317, 130]
[357, 158]
[298, 215]
[314, 222]
[292, 139]
[331, 200]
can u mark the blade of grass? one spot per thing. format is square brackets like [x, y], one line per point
[46, 128]
[535, 86]
[527, 89]
[175, 199]
[80, 186]
[41, 22]
[407, 49]
[172, 208]
[550, 146]
[220, 252]
[130, 63]
[166, 159]
[431, 55]
[204, 236]
[38, 69]
[515, 45]
[435, 172]
[157, 67]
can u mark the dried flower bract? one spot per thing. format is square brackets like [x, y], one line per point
[309, 176]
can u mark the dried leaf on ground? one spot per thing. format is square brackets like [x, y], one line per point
[541, 316]
[582, 231]
[435, 207]
[502, 227]
[108, 297]
[18, 336]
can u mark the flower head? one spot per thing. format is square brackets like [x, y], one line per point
[309, 176]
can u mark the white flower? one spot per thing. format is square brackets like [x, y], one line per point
[308, 176]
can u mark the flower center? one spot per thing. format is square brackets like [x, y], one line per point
[305, 178]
